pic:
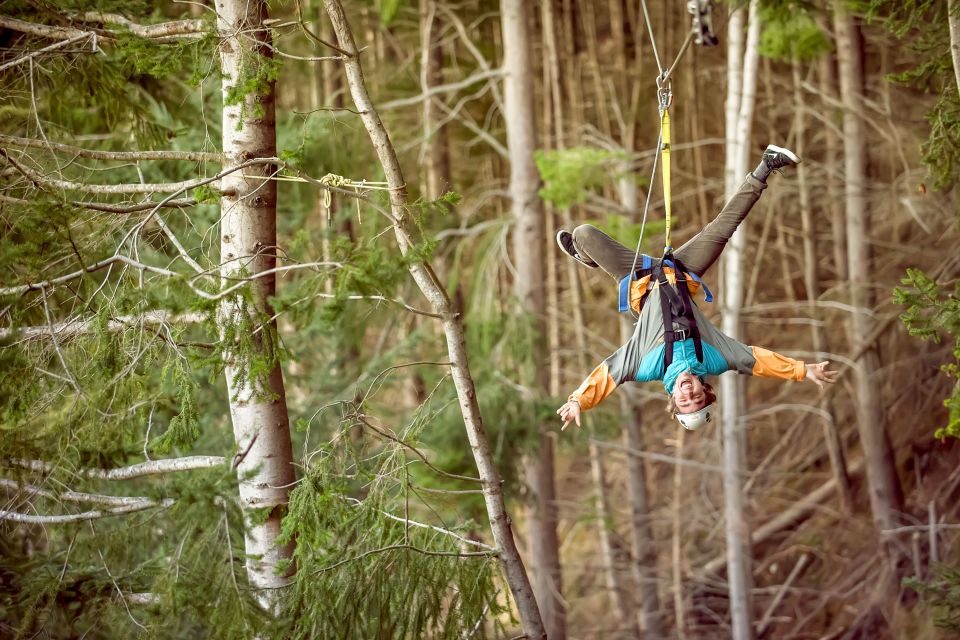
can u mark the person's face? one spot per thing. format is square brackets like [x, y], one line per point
[689, 394]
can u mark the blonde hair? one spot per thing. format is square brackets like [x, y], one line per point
[707, 390]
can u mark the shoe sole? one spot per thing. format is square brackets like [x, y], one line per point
[564, 232]
[790, 154]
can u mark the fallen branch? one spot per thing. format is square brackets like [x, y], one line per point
[801, 509]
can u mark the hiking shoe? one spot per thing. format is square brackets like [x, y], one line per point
[777, 157]
[565, 242]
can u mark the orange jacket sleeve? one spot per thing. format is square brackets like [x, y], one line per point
[592, 391]
[770, 364]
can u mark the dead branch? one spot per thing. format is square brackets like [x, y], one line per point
[86, 515]
[153, 467]
[123, 156]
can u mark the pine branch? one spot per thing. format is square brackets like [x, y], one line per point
[152, 467]
[126, 156]
[408, 547]
[86, 515]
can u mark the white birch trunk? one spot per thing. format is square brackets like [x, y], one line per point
[528, 244]
[741, 97]
[426, 279]
[886, 497]
[248, 235]
[954, 22]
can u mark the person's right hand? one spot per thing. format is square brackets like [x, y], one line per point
[569, 412]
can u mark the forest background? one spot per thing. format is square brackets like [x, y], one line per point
[283, 325]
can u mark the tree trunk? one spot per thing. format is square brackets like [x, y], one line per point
[954, 20]
[811, 279]
[741, 87]
[645, 556]
[248, 237]
[435, 153]
[426, 280]
[528, 259]
[886, 497]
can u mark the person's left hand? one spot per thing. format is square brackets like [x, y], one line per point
[569, 412]
[819, 375]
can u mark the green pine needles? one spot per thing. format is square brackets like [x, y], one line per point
[933, 313]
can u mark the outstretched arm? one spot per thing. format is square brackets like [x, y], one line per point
[614, 371]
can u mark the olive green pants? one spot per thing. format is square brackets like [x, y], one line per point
[697, 254]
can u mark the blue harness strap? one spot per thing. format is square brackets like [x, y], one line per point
[645, 268]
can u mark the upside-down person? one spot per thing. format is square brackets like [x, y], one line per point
[673, 341]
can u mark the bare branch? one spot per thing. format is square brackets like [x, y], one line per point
[24, 288]
[124, 156]
[162, 30]
[163, 187]
[153, 467]
[47, 49]
[30, 491]
[133, 208]
[421, 525]
[77, 326]
[86, 515]
[442, 88]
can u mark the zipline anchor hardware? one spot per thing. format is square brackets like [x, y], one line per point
[702, 12]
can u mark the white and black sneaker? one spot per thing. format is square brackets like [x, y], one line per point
[778, 157]
[775, 158]
[565, 242]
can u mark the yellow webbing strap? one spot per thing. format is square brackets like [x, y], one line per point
[665, 152]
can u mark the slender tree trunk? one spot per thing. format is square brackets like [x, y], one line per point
[741, 88]
[528, 259]
[645, 556]
[435, 153]
[886, 497]
[248, 235]
[811, 279]
[426, 280]
[954, 22]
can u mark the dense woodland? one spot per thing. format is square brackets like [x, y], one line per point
[284, 327]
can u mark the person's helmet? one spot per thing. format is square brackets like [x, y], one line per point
[696, 419]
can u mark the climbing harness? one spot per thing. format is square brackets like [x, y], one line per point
[677, 310]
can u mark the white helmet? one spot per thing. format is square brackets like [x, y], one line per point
[696, 419]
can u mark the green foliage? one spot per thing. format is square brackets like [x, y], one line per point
[942, 595]
[923, 26]
[388, 11]
[349, 517]
[570, 174]
[930, 313]
[790, 32]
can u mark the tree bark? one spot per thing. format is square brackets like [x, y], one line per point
[811, 279]
[886, 497]
[435, 152]
[248, 237]
[528, 258]
[954, 21]
[741, 96]
[423, 275]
